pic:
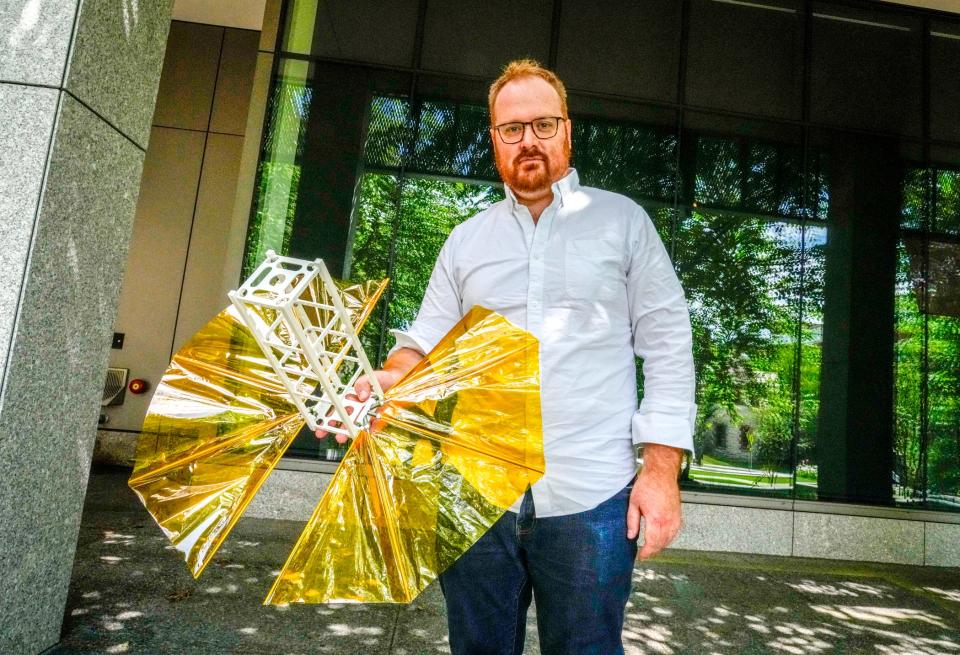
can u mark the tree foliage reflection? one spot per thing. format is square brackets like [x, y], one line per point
[739, 217]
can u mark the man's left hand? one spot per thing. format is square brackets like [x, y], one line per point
[656, 497]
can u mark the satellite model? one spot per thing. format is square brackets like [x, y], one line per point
[455, 442]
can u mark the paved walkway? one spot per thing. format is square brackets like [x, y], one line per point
[130, 595]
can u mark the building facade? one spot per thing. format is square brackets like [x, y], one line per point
[799, 158]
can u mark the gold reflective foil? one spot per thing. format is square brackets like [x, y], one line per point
[457, 441]
[217, 425]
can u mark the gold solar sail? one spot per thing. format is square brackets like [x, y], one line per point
[457, 441]
[218, 422]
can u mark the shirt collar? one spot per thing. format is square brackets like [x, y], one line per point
[563, 189]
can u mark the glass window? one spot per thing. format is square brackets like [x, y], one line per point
[744, 164]
[748, 175]
[740, 276]
[811, 279]
[278, 173]
[389, 133]
[943, 377]
[454, 139]
[916, 199]
[634, 160]
[946, 218]
[436, 138]
[927, 346]
[908, 474]
[739, 203]
[400, 224]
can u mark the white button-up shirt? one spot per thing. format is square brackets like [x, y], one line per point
[593, 282]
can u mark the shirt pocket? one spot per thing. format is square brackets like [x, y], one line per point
[592, 269]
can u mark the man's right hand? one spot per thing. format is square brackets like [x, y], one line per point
[363, 389]
[394, 368]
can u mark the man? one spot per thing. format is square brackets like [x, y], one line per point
[584, 271]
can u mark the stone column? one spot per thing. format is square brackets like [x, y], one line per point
[331, 161]
[79, 82]
[855, 429]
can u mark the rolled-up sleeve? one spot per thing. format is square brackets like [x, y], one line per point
[440, 309]
[662, 338]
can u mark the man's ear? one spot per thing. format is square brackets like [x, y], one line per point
[569, 133]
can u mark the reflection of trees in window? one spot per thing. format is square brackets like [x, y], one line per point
[909, 364]
[740, 276]
[278, 174]
[636, 161]
[741, 261]
[927, 346]
[432, 137]
[415, 217]
[754, 286]
[946, 218]
[720, 435]
[401, 217]
[811, 351]
[749, 176]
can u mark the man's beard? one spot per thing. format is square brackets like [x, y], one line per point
[541, 177]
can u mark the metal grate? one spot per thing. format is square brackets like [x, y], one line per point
[745, 175]
[287, 113]
[636, 161]
[388, 133]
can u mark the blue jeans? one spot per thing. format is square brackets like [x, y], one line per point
[578, 567]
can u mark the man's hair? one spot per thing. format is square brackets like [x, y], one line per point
[526, 68]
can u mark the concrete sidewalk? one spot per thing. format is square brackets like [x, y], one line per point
[129, 594]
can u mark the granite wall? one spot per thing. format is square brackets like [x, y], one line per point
[79, 82]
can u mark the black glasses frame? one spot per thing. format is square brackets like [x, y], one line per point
[496, 128]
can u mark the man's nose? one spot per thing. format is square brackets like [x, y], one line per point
[529, 138]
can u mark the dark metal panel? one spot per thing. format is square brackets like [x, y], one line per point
[746, 56]
[375, 31]
[189, 76]
[622, 48]
[945, 81]
[866, 70]
[477, 37]
[234, 81]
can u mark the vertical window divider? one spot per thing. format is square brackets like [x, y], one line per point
[930, 190]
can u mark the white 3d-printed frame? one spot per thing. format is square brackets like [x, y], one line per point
[305, 355]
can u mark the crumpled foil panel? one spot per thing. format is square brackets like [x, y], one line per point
[457, 441]
[217, 424]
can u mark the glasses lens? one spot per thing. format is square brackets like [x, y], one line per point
[545, 127]
[510, 132]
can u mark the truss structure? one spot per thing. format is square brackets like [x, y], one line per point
[298, 317]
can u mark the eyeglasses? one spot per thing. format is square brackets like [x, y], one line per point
[544, 128]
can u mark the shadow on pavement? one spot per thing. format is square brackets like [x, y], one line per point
[130, 593]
